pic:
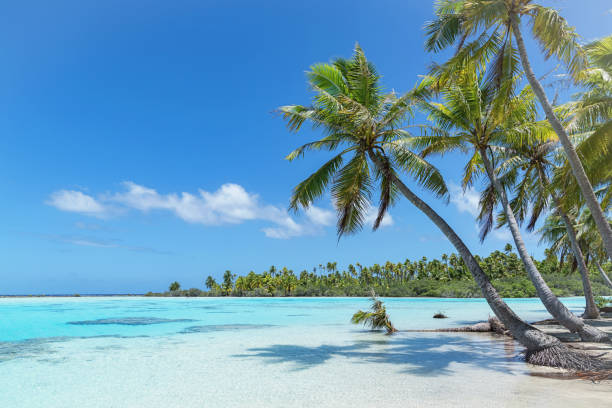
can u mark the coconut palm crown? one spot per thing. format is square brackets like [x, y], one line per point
[369, 129]
[486, 28]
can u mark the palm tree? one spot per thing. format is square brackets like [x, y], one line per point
[556, 232]
[228, 282]
[592, 242]
[356, 117]
[210, 282]
[174, 286]
[589, 119]
[484, 115]
[377, 318]
[495, 23]
[603, 273]
[534, 164]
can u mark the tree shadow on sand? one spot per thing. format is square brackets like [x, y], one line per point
[425, 356]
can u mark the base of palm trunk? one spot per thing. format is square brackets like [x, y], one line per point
[591, 315]
[561, 356]
[592, 334]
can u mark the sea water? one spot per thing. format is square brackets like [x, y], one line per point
[267, 352]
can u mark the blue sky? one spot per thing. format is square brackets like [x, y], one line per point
[139, 144]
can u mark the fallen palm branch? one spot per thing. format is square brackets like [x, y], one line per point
[377, 318]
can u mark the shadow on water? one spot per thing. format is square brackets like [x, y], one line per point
[423, 356]
[42, 348]
[130, 321]
[209, 328]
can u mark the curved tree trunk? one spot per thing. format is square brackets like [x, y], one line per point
[590, 311]
[603, 273]
[554, 306]
[572, 156]
[533, 339]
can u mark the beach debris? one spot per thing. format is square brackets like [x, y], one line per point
[493, 325]
[377, 318]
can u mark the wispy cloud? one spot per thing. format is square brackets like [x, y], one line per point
[230, 204]
[465, 200]
[89, 226]
[76, 201]
[100, 243]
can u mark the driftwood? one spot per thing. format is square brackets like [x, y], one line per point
[493, 325]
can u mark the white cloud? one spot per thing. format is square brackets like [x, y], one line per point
[320, 216]
[230, 204]
[465, 201]
[371, 215]
[76, 201]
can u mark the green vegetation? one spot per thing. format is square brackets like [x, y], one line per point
[444, 277]
[377, 318]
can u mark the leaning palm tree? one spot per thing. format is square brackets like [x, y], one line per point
[604, 275]
[555, 231]
[593, 244]
[476, 117]
[359, 120]
[494, 24]
[376, 318]
[589, 120]
[529, 166]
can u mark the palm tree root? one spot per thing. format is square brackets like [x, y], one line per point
[561, 356]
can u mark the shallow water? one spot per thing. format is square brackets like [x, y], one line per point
[262, 352]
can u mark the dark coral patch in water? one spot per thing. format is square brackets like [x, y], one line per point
[224, 327]
[130, 321]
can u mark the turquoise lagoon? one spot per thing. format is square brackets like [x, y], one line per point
[266, 352]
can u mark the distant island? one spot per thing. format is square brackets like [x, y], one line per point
[445, 277]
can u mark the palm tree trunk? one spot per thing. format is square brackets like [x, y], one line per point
[572, 156]
[533, 339]
[603, 273]
[554, 306]
[591, 311]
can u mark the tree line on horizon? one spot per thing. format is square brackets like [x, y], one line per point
[444, 277]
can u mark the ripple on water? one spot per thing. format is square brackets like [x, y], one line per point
[130, 321]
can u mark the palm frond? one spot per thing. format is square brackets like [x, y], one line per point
[388, 189]
[351, 193]
[426, 174]
[558, 38]
[314, 186]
